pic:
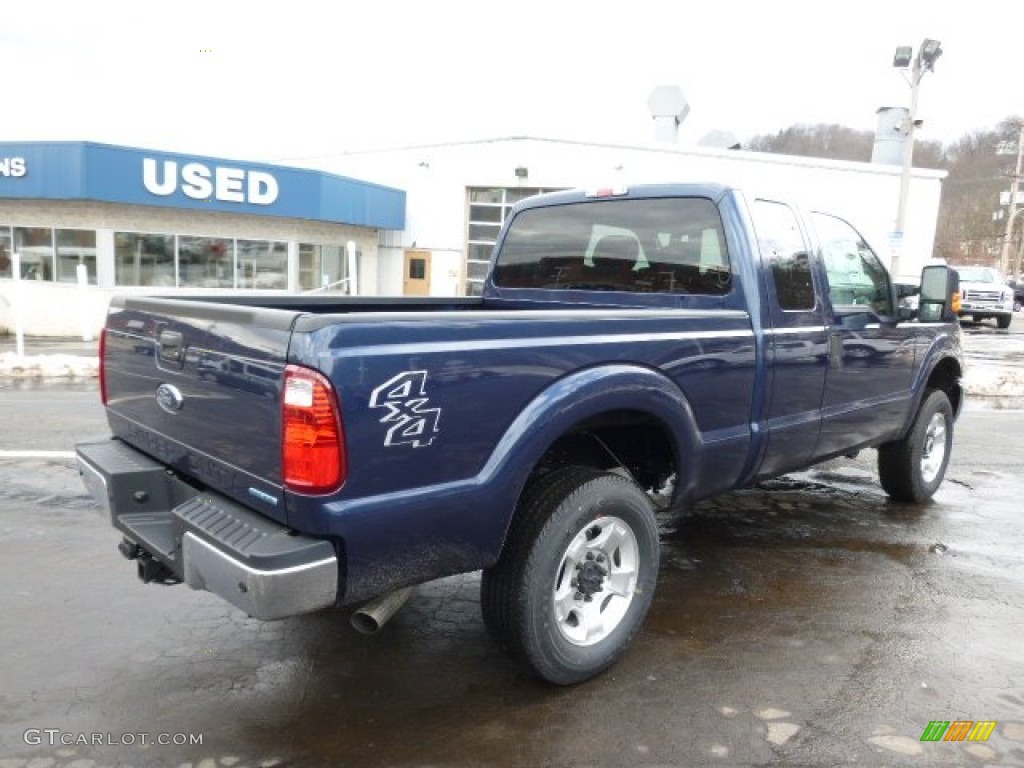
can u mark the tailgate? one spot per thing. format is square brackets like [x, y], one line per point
[196, 385]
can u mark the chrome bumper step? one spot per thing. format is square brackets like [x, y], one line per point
[208, 540]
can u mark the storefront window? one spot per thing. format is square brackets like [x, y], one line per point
[147, 259]
[309, 266]
[322, 267]
[75, 247]
[35, 245]
[143, 259]
[262, 264]
[6, 267]
[206, 262]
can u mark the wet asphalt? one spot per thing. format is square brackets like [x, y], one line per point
[808, 621]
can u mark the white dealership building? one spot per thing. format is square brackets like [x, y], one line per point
[85, 221]
[459, 194]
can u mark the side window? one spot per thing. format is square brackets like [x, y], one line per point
[856, 277]
[784, 251]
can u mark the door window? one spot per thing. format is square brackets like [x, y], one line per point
[856, 277]
[785, 253]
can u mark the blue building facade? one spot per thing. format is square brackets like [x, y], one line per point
[122, 217]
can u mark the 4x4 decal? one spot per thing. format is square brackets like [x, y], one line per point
[405, 397]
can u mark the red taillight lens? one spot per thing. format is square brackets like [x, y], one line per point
[313, 457]
[103, 365]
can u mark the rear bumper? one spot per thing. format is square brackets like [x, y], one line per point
[206, 540]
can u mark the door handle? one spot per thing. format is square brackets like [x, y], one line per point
[171, 346]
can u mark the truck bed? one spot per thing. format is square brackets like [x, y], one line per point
[473, 369]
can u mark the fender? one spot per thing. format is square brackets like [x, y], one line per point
[574, 399]
[406, 537]
[945, 346]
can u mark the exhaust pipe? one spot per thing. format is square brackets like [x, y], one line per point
[375, 614]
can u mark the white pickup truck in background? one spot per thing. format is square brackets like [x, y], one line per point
[985, 293]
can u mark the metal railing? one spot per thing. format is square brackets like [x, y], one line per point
[328, 287]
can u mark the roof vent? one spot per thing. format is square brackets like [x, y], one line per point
[669, 108]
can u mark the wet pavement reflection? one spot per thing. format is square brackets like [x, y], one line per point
[805, 621]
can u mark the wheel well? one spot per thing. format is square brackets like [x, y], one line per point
[631, 440]
[946, 377]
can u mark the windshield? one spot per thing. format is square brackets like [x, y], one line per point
[979, 275]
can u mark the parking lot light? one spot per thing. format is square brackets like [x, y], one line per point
[927, 55]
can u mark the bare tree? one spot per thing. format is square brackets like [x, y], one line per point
[836, 142]
[979, 170]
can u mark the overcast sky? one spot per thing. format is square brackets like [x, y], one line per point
[298, 79]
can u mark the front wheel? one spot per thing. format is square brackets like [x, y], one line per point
[577, 575]
[1003, 321]
[912, 469]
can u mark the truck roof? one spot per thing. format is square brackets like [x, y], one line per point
[712, 190]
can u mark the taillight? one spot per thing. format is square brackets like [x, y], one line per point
[313, 455]
[103, 365]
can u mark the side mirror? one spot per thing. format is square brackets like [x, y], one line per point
[940, 295]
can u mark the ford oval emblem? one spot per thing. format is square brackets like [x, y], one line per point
[169, 398]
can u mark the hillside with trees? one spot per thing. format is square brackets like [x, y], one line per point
[980, 166]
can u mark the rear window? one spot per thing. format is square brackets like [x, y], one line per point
[650, 245]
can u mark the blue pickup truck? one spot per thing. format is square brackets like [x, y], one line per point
[292, 453]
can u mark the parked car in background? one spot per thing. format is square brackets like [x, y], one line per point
[986, 294]
[1018, 294]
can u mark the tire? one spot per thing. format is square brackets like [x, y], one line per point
[577, 575]
[912, 469]
[1003, 321]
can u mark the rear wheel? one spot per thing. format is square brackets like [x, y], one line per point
[577, 575]
[912, 469]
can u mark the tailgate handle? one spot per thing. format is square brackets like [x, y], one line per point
[171, 346]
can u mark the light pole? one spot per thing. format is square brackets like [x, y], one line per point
[1004, 257]
[904, 59]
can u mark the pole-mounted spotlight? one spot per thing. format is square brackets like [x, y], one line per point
[904, 58]
[930, 52]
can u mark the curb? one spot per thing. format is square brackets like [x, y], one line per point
[993, 381]
[57, 366]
